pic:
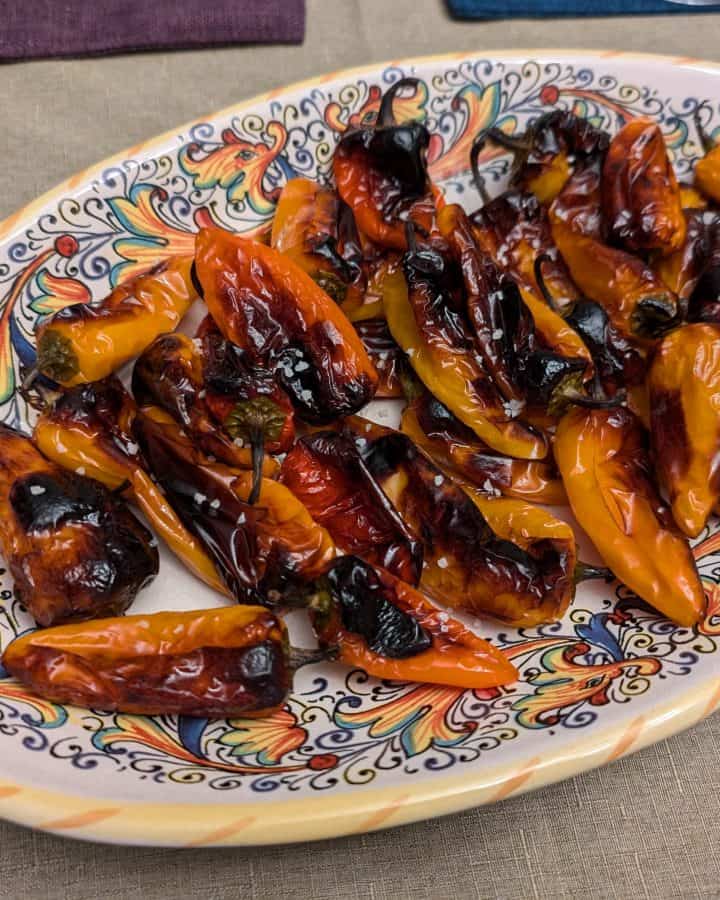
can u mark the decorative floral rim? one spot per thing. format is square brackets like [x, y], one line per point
[325, 815]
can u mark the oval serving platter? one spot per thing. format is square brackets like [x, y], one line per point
[348, 753]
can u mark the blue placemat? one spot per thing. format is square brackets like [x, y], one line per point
[508, 9]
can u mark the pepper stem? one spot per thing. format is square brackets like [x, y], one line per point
[585, 571]
[540, 260]
[386, 117]
[706, 141]
[256, 420]
[304, 656]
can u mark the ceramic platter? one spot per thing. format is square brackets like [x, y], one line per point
[348, 753]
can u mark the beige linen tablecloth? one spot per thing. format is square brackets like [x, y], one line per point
[647, 826]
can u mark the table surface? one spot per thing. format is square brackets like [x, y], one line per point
[643, 827]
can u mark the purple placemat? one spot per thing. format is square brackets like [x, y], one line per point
[42, 28]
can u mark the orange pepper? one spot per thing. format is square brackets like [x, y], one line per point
[604, 463]
[684, 399]
[89, 428]
[641, 197]
[210, 663]
[86, 343]
[442, 650]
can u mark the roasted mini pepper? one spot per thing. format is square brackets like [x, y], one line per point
[249, 406]
[390, 630]
[467, 564]
[425, 322]
[603, 459]
[281, 319]
[381, 173]
[640, 193]
[547, 151]
[637, 301]
[514, 229]
[317, 232]
[707, 168]
[256, 547]
[326, 473]
[88, 429]
[73, 549]
[212, 663]
[684, 395]
[443, 437]
[527, 366]
[86, 342]
[617, 362]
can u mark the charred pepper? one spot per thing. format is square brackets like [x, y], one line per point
[256, 547]
[390, 629]
[547, 152]
[424, 319]
[603, 459]
[466, 564]
[278, 316]
[684, 395]
[212, 663]
[88, 429]
[326, 472]
[381, 173]
[73, 549]
[443, 437]
[86, 342]
[640, 193]
[637, 301]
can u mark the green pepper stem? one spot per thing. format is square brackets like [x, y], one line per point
[585, 571]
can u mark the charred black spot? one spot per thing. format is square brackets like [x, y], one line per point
[43, 501]
[616, 360]
[367, 609]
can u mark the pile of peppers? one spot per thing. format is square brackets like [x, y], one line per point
[556, 346]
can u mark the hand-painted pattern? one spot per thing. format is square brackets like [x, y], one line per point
[337, 729]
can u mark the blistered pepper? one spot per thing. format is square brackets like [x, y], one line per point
[467, 564]
[381, 173]
[212, 663]
[425, 322]
[603, 459]
[316, 231]
[526, 365]
[390, 630]
[514, 229]
[250, 407]
[546, 153]
[73, 549]
[281, 319]
[88, 429]
[640, 193]
[707, 168]
[326, 473]
[256, 547]
[637, 301]
[433, 428]
[86, 342]
[684, 395]
[617, 362]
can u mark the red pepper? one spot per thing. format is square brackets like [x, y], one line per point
[282, 320]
